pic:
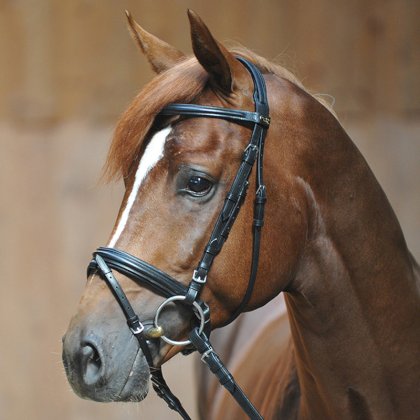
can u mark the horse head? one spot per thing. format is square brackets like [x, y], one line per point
[177, 172]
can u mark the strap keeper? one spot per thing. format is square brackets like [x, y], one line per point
[206, 354]
[261, 195]
[260, 199]
[259, 223]
[232, 197]
[192, 294]
[250, 154]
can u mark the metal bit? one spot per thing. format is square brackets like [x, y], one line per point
[154, 332]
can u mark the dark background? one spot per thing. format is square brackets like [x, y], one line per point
[69, 68]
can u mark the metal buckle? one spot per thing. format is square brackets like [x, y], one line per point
[198, 312]
[260, 189]
[198, 279]
[251, 146]
[205, 354]
[137, 330]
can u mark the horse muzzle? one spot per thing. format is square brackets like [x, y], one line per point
[105, 366]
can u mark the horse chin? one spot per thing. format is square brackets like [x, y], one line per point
[136, 383]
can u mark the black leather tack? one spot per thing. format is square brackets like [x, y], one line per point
[212, 359]
[159, 383]
[163, 391]
[164, 285]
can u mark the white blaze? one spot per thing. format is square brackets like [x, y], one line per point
[151, 156]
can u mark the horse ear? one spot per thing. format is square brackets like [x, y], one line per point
[160, 55]
[226, 73]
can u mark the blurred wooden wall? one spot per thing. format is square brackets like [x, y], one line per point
[73, 58]
[67, 70]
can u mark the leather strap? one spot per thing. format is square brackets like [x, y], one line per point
[140, 271]
[235, 115]
[253, 153]
[261, 105]
[212, 360]
[137, 328]
[164, 285]
[144, 274]
[162, 390]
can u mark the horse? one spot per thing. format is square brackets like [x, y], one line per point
[348, 346]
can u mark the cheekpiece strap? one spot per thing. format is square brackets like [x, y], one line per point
[260, 120]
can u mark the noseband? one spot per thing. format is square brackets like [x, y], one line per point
[106, 259]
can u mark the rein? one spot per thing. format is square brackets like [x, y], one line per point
[105, 259]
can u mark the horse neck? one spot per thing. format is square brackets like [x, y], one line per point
[353, 304]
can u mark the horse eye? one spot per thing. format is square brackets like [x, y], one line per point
[198, 185]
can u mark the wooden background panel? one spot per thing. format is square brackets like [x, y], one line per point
[49, 229]
[73, 58]
[67, 70]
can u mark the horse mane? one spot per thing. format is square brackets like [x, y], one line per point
[181, 83]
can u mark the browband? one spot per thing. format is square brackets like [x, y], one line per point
[236, 115]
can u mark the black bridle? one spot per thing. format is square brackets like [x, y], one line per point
[106, 259]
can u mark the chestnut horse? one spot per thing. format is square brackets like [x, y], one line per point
[331, 243]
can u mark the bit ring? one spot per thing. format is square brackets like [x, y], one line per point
[198, 311]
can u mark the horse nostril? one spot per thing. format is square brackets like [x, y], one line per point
[91, 364]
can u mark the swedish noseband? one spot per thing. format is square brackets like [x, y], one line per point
[106, 259]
